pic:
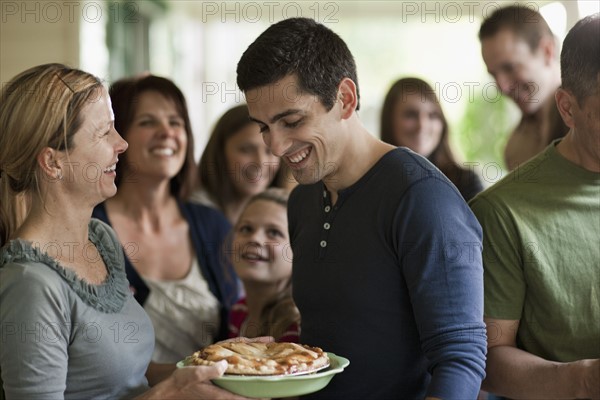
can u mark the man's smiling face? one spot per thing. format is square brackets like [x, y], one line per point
[297, 127]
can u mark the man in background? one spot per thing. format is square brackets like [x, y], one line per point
[521, 53]
[540, 251]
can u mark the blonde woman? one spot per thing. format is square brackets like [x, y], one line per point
[71, 327]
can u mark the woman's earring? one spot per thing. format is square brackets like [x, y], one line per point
[59, 176]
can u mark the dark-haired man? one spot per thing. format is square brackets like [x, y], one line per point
[520, 52]
[541, 255]
[387, 265]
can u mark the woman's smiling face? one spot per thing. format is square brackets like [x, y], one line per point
[89, 167]
[157, 137]
[417, 124]
[250, 164]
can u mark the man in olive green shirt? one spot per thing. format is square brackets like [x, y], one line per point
[541, 255]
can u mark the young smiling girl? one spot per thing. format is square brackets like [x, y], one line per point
[262, 258]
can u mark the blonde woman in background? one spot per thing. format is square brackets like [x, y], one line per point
[71, 327]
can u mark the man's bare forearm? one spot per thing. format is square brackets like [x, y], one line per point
[515, 373]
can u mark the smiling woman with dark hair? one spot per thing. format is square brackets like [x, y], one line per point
[413, 117]
[172, 246]
[235, 165]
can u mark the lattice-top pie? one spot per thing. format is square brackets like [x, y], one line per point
[262, 358]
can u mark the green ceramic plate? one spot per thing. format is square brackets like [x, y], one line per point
[281, 386]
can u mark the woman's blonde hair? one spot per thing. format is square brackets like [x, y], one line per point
[41, 107]
[274, 194]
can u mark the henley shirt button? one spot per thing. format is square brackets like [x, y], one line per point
[326, 225]
[324, 193]
[327, 208]
[323, 243]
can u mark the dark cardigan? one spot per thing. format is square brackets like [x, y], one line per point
[208, 232]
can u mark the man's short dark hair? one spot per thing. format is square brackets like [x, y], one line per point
[524, 22]
[580, 58]
[315, 54]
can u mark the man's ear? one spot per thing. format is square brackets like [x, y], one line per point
[49, 164]
[348, 97]
[565, 102]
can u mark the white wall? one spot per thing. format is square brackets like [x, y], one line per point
[36, 32]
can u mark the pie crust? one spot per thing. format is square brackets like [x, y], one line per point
[262, 358]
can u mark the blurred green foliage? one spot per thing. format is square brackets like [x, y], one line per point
[483, 131]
